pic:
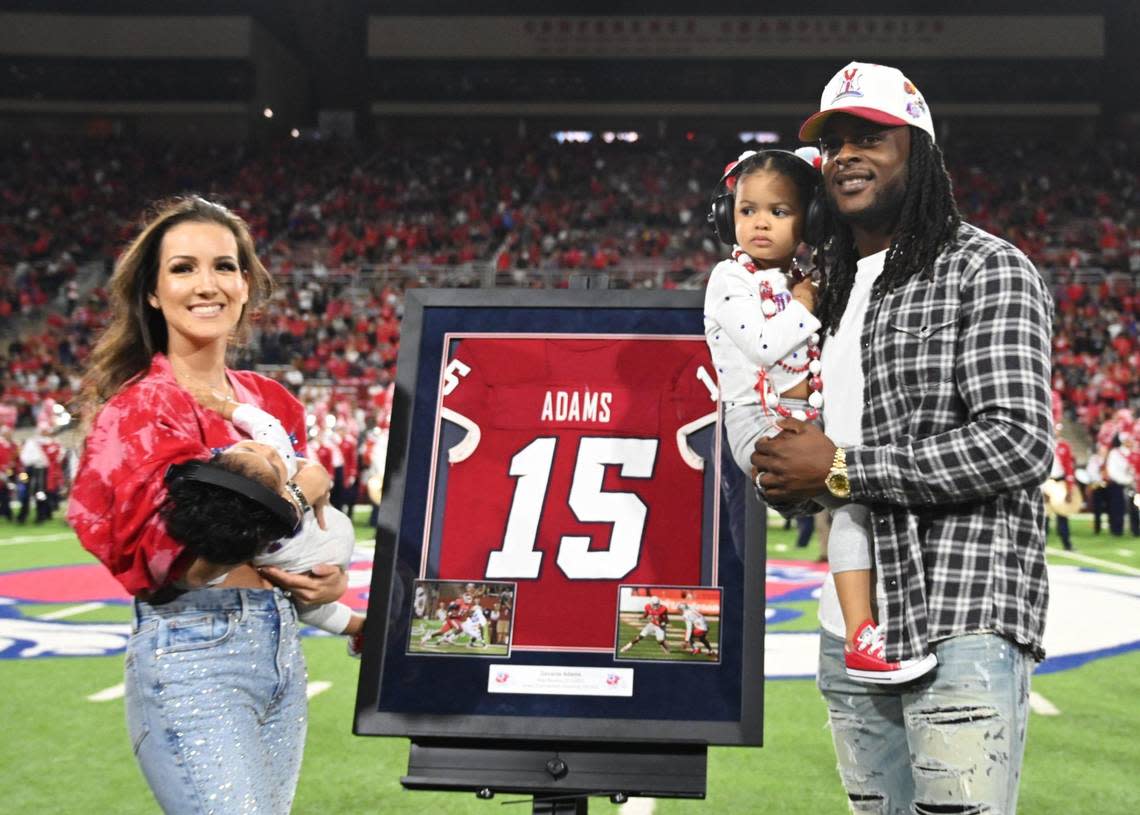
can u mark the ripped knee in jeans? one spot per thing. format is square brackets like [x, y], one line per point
[863, 784]
[961, 760]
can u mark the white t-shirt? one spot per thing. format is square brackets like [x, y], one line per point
[1117, 470]
[264, 427]
[843, 378]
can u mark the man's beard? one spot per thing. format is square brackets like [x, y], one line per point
[883, 213]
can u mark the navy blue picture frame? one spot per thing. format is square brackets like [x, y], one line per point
[403, 694]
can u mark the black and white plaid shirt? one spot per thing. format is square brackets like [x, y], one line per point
[957, 438]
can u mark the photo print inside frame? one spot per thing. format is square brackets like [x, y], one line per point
[675, 623]
[461, 618]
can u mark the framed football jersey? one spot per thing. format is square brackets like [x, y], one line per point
[558, 507]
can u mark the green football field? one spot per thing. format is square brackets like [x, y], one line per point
[64, 747]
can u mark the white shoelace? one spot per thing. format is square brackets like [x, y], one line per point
[873, 641]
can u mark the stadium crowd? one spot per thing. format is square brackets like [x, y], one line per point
[346, 229]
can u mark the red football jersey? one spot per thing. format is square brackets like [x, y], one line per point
[658, 615]
[574, 475]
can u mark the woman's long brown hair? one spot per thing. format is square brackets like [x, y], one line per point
[138, 330]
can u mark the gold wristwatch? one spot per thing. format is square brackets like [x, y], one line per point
[836, 481]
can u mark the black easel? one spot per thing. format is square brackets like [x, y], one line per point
[560, 777]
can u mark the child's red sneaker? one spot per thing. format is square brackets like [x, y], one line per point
[866, 662]
[356, 645]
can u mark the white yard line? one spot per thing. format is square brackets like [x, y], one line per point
[1039, 704]
[108, 695]
[55, 536]
[638, 806]
[317, 687]
[70, 611]
[1093, 561]
[1125, 552]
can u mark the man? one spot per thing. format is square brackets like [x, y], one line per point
[9, 467]
[937, 350]
[696, 630]
[34, 461]
[656, 616]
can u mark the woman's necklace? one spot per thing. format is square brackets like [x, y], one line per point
[770, 305]
[223, 391]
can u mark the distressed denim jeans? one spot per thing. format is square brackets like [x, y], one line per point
[950, 742]
[215, 701]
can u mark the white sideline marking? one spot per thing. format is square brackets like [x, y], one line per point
[1125, 552]
[109, 695]
[1039, 704]
[1094, 561]
[638, 806]
[56, 536]
[317, 687]
[70, 611]
[780, 547]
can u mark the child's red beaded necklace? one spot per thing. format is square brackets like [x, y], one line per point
[769, 399]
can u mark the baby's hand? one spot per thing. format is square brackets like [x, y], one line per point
[805, 291]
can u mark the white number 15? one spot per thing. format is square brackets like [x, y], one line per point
[518, 557]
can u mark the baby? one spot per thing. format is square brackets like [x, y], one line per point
[267, 458]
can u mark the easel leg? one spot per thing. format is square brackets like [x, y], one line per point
[560, 805]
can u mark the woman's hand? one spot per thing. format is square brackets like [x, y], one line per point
[324, 583]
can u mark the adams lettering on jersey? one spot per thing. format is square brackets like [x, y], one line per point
[570, 463]
[572, 406]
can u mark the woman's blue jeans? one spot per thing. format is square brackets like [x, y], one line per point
[215, 701]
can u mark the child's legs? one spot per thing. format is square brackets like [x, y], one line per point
[849, 554]
[745, 424]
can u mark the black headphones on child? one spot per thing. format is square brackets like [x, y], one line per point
[723, 203]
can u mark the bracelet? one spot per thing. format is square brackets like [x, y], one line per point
[298, 496]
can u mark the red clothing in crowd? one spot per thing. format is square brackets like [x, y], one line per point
[1064, 458]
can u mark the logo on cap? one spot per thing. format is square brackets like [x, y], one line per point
[852, 84]
[915, 108]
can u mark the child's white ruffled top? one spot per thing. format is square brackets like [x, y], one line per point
[745, 341]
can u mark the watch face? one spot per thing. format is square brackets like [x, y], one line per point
[838, 485]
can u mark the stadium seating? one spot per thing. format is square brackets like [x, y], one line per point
[346, 228]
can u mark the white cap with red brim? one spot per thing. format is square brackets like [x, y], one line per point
[875, 92]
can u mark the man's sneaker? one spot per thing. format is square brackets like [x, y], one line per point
[867, 662]
[356, 645]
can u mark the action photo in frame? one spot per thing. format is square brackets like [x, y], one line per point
[566, 444]
[461, 618]
[675, 623]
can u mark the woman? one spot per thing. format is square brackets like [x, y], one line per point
[215, 677]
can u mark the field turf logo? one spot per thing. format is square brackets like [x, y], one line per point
[54, 612]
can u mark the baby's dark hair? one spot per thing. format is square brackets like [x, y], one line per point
[218, 524]
[802, 174]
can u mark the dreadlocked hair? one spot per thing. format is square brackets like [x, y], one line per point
[928, 220]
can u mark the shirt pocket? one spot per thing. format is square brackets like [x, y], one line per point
[923, 350]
